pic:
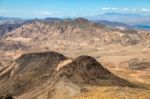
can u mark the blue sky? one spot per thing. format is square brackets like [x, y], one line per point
[70, 8]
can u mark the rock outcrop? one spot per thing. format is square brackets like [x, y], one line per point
[35, 72]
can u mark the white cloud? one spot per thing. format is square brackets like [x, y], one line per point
[134, 9]
[106, 8]
[114, 8]
[46, 13]
[119, 9]
[125, 9]
[3, 10]
[145, 10]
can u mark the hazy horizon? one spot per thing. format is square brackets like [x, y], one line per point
[71, 8]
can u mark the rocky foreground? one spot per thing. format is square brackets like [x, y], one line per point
[97, 61]
[50, 75]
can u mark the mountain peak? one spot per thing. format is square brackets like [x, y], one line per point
[82, 20]
[129, 14]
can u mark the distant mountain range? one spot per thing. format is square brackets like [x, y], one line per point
[130, 19]
[114, 20]
[117, 25]
[122, 26]
[145, 27]
[10, 20]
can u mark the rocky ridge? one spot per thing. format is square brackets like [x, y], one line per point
[35, 72]
[78, 33]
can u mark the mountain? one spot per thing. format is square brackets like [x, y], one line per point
[49, 74]
[3, 18]
[8, 24]
[46, 20]
[29, 70]
[141, 27]
[12, 46]
[10, 20]
[77, 33]
[5, 28]
[121, 14]
[116, 25]
[122, 26]
[130, 19]
[116, 93]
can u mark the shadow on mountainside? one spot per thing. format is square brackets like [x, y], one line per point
[37, 71]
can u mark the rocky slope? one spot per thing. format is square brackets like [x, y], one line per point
[70, 34]
[49, 75]
[114, 93]
[5, 28]
[11, 46]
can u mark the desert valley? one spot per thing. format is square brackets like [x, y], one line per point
[74, 49]
[73, 59]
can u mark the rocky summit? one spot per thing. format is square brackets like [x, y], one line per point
[39, 71]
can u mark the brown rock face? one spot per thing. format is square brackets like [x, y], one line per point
[70, 34]
[87, 70]
[137, 64]
[28, 71]
[38, 71]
